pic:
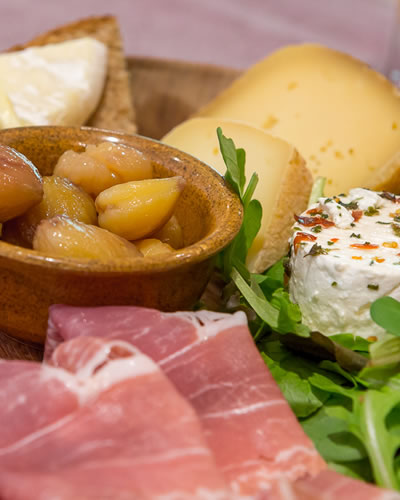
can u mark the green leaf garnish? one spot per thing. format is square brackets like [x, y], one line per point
[235, 160]
[317, 190]
[385, 311]
[346, 392]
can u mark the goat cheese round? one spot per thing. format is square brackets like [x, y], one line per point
[345, 253]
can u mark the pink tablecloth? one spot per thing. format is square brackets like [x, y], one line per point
[229, 32]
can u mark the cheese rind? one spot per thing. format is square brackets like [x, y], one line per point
[343, 117]
[57, 84]
[284, 181]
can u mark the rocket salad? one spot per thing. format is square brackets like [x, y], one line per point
[344, 390]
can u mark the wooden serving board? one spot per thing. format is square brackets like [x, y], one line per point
[165, 93]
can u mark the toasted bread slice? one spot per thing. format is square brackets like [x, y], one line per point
[115, 110]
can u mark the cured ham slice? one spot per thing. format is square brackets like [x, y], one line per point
[329, 485]
[212, 360]
[100, 421]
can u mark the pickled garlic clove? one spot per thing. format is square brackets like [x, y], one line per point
[171, 233]
[60, 197]
[103, 166]
[151, 247]
[85, 171]
[64, 237]
[137, 209]
[126, 162]
[20, 184]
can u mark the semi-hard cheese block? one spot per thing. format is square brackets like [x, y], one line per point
[284, 181]
[57, 84]
[343, 117]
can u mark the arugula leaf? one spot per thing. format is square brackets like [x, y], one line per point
[250, 190]
[323, 347]
[235, 160]
[263, 308]
[369, 423]
[359, 469]
[383, 368]
[291, 373]
[317, 190]
[272, 279]
[385, 311]
[248, 231]
[352, 342]
[331, 435]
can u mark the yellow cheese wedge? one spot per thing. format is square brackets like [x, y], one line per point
[284, 181]
[8, 118]
[343, 117]
[57, 84]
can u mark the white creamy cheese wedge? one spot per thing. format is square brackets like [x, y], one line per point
[284, 181]
[345, 253]
[343, 117]
[56, 84]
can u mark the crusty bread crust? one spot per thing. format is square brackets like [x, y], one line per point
[291, 199]
[115, 110]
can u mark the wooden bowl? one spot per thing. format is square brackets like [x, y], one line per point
[209, 212]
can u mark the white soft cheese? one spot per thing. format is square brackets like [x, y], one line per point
[335, 288]
[57, 84]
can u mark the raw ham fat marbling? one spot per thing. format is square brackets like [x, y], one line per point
[212, 360]
[100, 421]
[329, 485]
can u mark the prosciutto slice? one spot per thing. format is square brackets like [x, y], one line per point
[100, 421]
[212, 360]
[329, 485]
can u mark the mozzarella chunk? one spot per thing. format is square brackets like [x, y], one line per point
[337, 269]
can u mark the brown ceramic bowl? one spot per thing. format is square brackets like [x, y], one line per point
[208, 211]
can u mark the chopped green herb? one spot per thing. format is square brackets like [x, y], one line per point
[372, 286]
[371, 211]
[330, 243]
[354, 235]
[296, 228]
[396, 219]
[316, 229]
[324, 216]
[334, 283]
[396, 229]
[372, 263]
[388, 196]
[317, 250]
[352, 205]
[381, 222]
[352, 224]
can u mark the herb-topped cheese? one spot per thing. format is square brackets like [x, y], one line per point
[345, 253]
